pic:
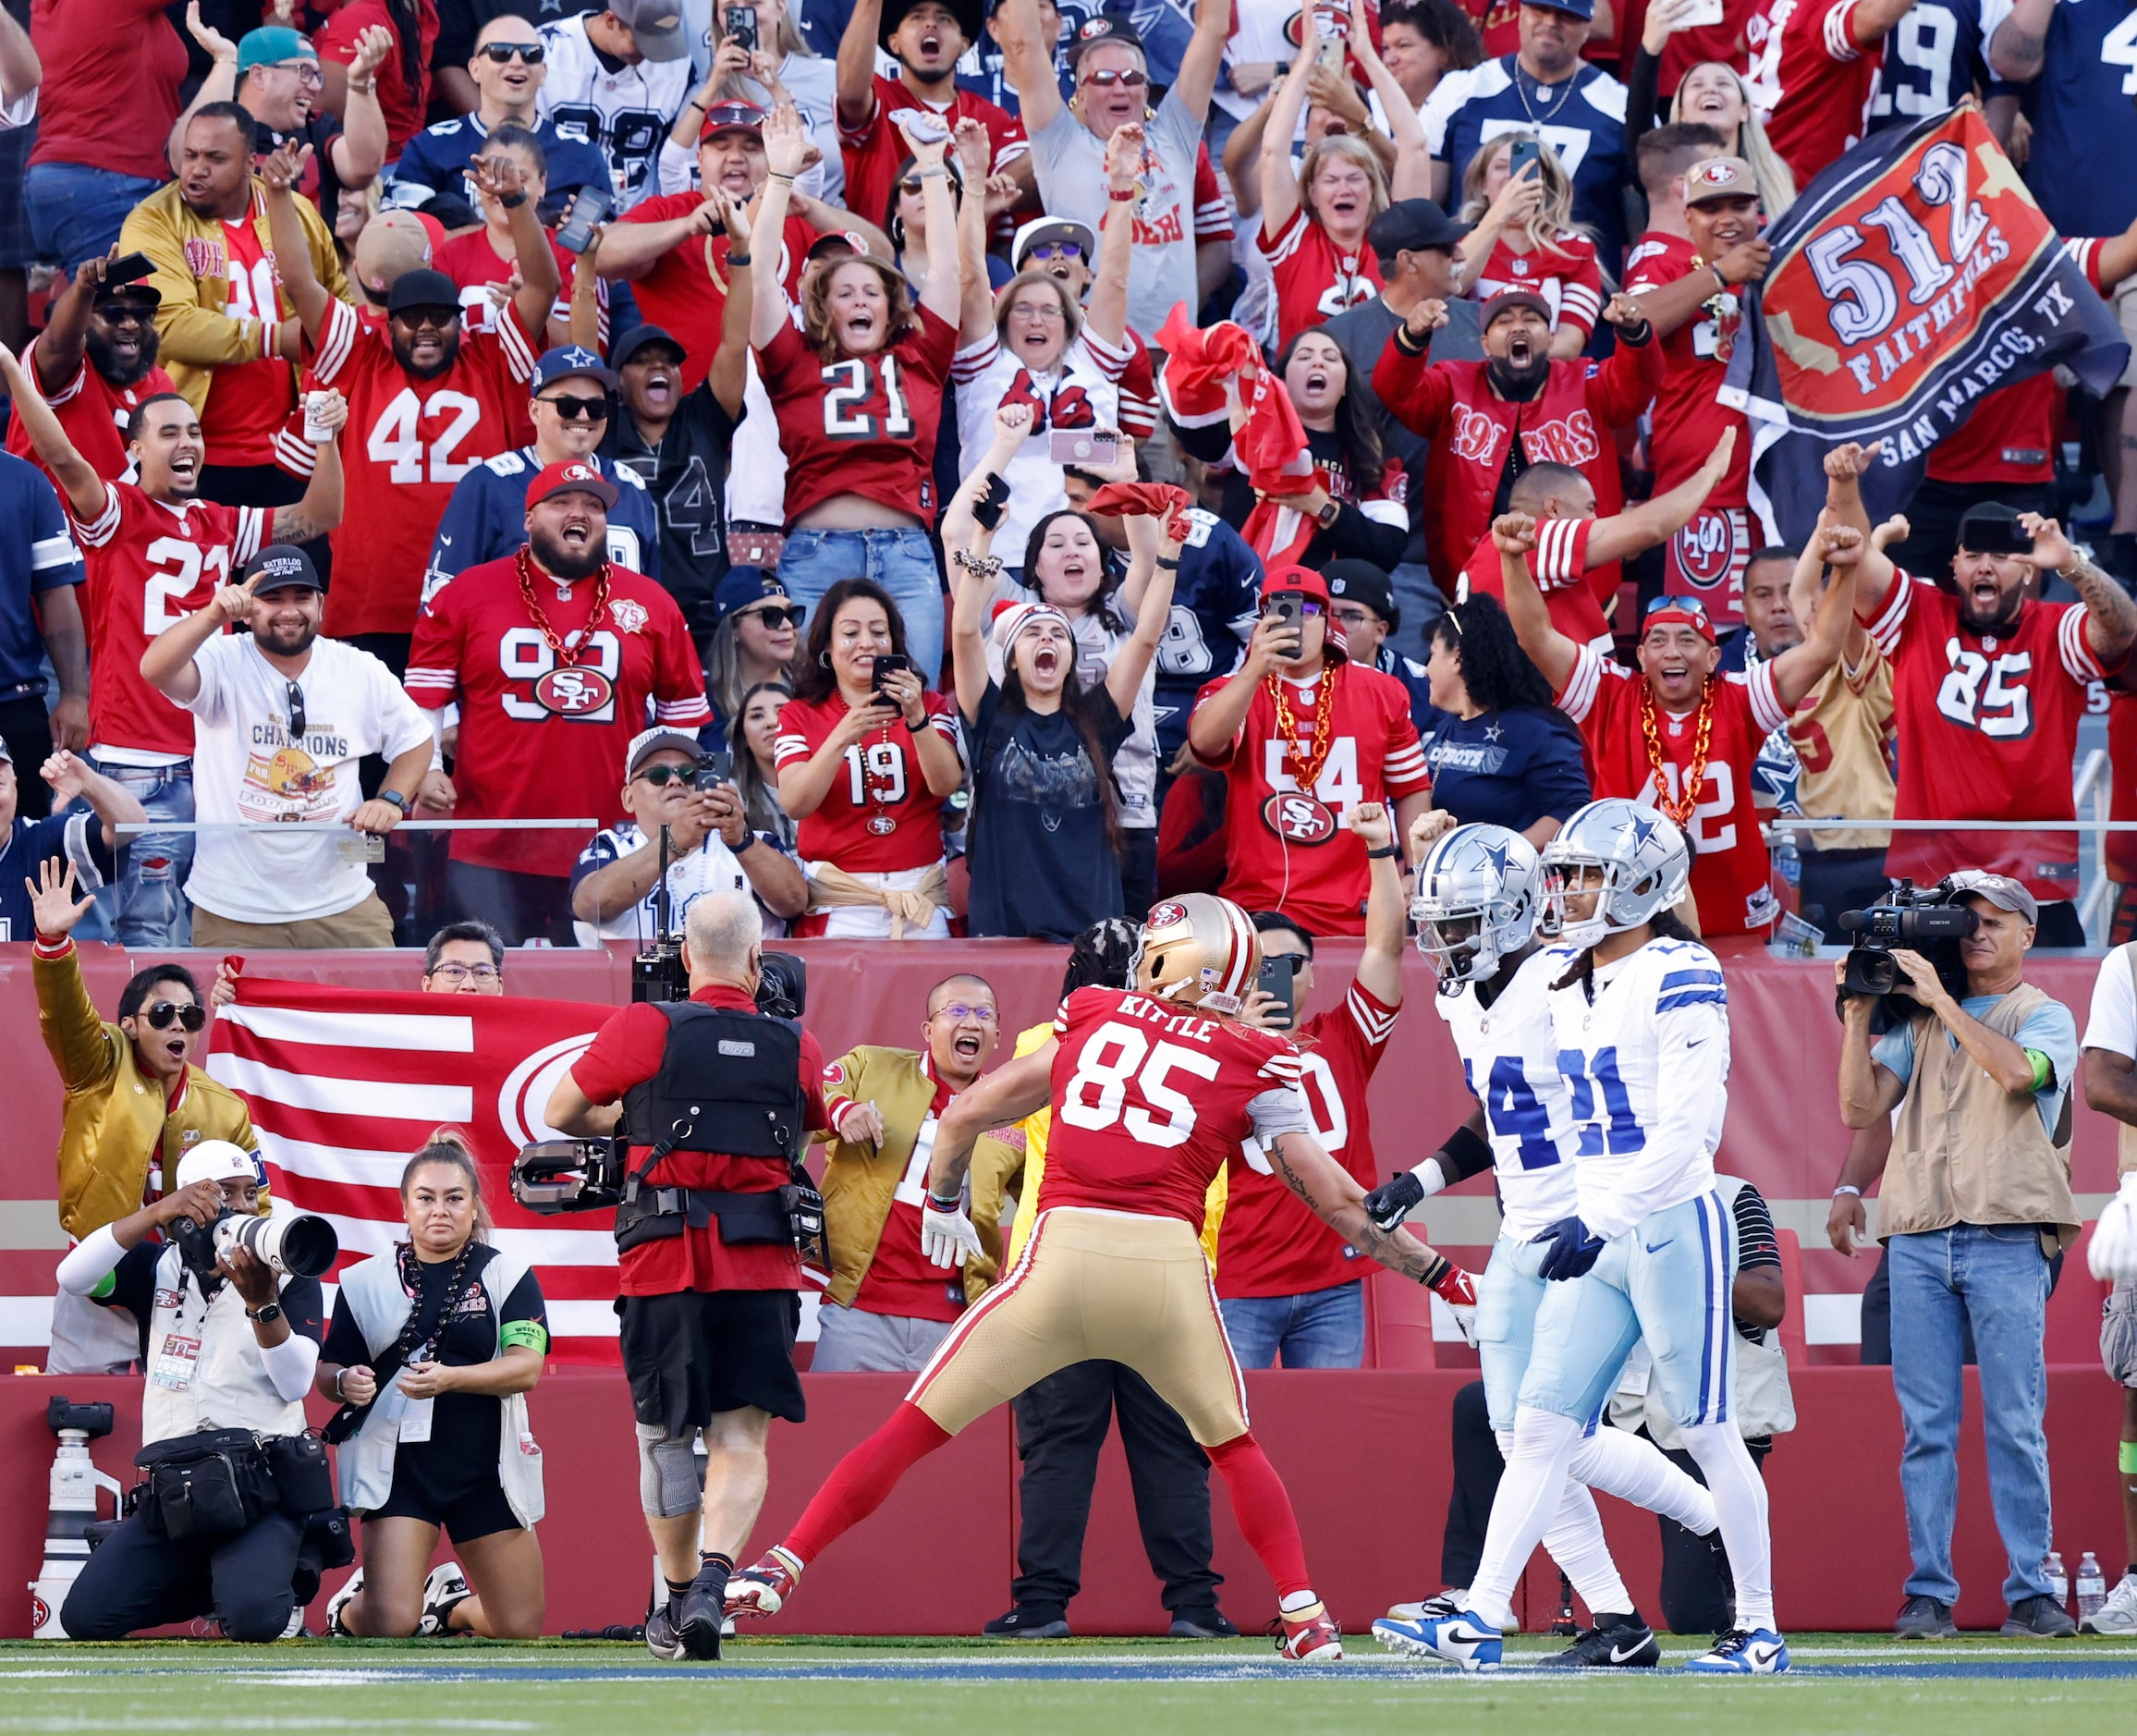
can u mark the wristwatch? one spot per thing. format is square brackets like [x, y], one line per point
[266, 1315]
[403, 802]
[1328, 514]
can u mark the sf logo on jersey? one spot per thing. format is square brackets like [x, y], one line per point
[582, 691]
[1298, 819]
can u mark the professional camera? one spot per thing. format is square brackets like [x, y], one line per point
[1930, 923]
[569, 1175]
[299, 1246]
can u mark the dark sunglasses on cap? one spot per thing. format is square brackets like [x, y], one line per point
[1688, 606]
[191, 1015]
[1105, 78]
[531, 53]
[577, 409]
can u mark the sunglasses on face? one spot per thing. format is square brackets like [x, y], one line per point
[466, 974]
[661, 777]
[792, 617]
[429, 319]
[1105, 81]
[1057, 250]
[577, 408]
[191, 1015]
[500, 52]
[956, 1012]
[126, 314]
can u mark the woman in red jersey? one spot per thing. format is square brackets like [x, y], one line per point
[1525, 239]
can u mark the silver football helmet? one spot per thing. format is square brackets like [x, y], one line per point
[1479, 894]
[1639, 854]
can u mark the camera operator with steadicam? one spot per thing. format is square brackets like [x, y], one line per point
[1977, 1201]
[232, 1309]
[717, 1100]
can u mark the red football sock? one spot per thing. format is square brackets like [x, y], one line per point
[1263, 1510]
[857, 1487]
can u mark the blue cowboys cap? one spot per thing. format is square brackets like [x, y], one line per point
[745, 585]
[566, 360]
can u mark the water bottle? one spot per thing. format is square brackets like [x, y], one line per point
[2091, 1585]
[2059, 1581]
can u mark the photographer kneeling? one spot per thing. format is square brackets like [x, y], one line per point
[1977, 1201]
[231, 1348]
[438, 1342]
[719, 1099]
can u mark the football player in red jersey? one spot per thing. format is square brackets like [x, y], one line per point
[1152, 1089]
[427, 400]
[156, 552]
[1812, 66]
[1303, 735]
[1987, 688]
[553, 655]
[1680, 736]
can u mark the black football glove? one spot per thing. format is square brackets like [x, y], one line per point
[1389, 1204]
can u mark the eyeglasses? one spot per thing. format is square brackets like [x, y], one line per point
[577, 408]
[307, 71]
[468, 974]
[1106, 79]
[956, 1012]
[295, 702]
[1055, 249]
[1045, 313]
[500, 52]
[192, 1014]
[1355, 616]
[661, 777]
[780, 617]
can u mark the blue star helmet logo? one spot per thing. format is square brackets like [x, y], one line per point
[1496, 854]
[1640, 827]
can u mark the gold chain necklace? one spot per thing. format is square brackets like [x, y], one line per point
[1679, 809]
[1305, 768]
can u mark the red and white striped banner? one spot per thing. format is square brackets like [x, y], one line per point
[344, 1085]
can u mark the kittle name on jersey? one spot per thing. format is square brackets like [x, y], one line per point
[1175, 1022]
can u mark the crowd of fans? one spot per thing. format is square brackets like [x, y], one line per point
[971, 470]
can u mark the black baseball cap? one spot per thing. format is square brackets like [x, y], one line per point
[1362, 581]
[281, 564]
[637, 338]
[422, 288]
[967, 13]
[1415, 226]
[1107, 27]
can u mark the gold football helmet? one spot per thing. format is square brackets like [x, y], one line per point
[1199, 950]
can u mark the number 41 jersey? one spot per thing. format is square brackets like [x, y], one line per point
[1152, 1099]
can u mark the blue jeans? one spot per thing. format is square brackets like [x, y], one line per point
[76, 212]
[1997, 1278]
[1322, 1328]
[146, 905]
[901, 561]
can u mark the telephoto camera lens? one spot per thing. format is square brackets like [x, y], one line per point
[299, 1246]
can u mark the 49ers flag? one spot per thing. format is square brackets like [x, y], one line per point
[1913, 277]
[344, 1085]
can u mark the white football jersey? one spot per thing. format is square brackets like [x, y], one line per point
[623, 114]
[1648, 1067]
[1509, 1057]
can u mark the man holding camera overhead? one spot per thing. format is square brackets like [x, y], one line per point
[715, 1101]
[1977, 1201]
[232, 1343]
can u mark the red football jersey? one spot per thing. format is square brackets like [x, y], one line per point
[249, 401]
[1297, 855]
[1688, 420]
[150, 566]
[874, 149]
[1498, 22]
[901, 1280]
[541, 739]
[1809, 78]
[1564, 274]
[408, 441]
[863, 424]
[686, 292]
[1731, 873]
[1987, 727]
[1270, 1244]
[1315, 279]
[1559, 564]
[1212, 216]
[471, 261]
[1137, 390]
[93, 412]
[880, 818]
[1150, 1100]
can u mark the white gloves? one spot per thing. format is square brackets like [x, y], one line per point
[2113, 1255]
[948, 1238]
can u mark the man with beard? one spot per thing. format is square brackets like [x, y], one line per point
[427, 401]
[1989, 685]
[227, 332]
[281, 720]
[1489, 421]
[96, 363]
[553, 654]
[156, 552]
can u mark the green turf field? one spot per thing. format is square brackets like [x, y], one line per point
[1841, 1683]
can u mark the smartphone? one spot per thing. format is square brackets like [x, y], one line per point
[738, 25]
[589, 208]
[717, 769]
[895, 664]
[1289, 608]
[1279, 979]
[1703, 15]
[1082, 445]
[1525, 153]
[926, 125]
[129, 268]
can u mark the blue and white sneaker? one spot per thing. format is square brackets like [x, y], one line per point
[1459, 1638]
[1744, 1652]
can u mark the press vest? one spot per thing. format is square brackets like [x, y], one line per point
[729, 1082]
[228, 1387]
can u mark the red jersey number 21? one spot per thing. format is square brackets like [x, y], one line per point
[849, 392]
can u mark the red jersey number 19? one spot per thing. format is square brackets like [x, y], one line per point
[1098, 1092]
[395, 440]
[880, 764]
[851, 388]
[173, 569]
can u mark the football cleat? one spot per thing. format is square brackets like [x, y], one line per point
[336, 1628]
[1744, 1652]
[1310, 1635]
[1625, 1642]
[1459, 1639]
[444, 1591]
[1446, 1602]
[762, 1588]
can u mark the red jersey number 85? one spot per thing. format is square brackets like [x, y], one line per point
[1121, 1077]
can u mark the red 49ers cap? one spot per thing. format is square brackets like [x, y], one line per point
[1304, 580]
[572, 476]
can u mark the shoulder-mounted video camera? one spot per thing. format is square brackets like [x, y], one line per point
[657, 974]
[1931, 921]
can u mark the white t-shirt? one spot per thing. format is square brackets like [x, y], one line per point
[2112, 1023]
[247, 769]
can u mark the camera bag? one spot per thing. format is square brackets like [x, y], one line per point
[303, 1479]
[205, 1485]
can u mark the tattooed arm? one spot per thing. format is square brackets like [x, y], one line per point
[1332, 1194]
[2111, 616]
[2019, 48]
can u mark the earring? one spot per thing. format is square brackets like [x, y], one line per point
[823, 658]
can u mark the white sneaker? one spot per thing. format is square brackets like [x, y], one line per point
[2117, 1615]
[338, 1602]
[444, 1590]
[1448, 1603]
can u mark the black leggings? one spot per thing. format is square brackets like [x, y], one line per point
[133, 1580]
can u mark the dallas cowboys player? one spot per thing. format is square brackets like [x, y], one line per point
[1479, 894]
[1650, 1249]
